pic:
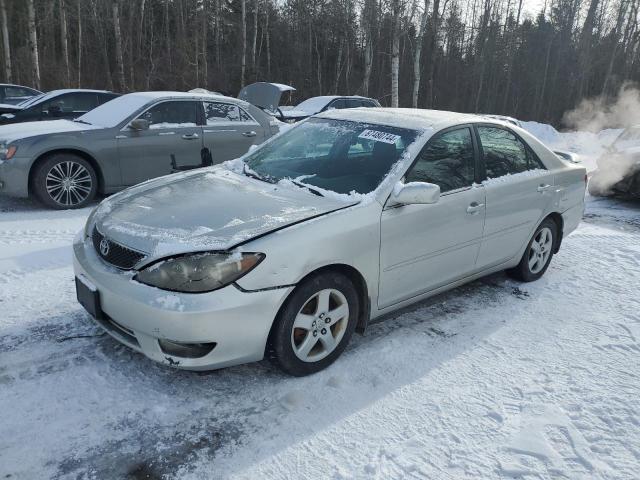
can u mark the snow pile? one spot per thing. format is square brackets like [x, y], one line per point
[589, 146]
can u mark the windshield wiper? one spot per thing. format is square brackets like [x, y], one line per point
[252, 174]
[81, 121]
[304, 185]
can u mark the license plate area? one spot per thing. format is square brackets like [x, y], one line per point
[89, 298]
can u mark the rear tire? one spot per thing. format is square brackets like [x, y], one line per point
[65, 181]
[538, 254]
[315, 324]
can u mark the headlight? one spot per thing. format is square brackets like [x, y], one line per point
[7, 151]
[200, 272]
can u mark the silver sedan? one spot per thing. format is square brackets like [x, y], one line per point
[349, 215]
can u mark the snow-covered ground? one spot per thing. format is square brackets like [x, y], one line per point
[493, 380]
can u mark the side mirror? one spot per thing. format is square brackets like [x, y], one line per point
[139, 124]
[415, 193]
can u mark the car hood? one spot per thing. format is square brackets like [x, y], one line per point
[17, 131]
[207, 209]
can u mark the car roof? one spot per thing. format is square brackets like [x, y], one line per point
[406, 117]
[196, 96]
[52, 93]
[16, 85]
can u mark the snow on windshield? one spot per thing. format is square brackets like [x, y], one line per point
[115, 111]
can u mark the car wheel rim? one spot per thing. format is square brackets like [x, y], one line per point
[68, 183]
[540, 250]
[320, 325]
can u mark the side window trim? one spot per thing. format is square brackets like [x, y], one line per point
[476, 155]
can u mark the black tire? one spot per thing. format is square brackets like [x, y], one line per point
[56, 166]
[280, 348]
[523, 271]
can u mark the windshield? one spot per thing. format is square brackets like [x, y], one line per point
[115, 111]
[337, 155]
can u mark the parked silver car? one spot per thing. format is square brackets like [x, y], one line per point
[128, 140]
[347, 216]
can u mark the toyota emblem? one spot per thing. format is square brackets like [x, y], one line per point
[104, 247]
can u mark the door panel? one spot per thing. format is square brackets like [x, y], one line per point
[514, 208]
[424, 247]
[229, 131]
[173, 130]
[519, 191]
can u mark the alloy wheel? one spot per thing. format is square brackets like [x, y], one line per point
[320, 325]
[68, 183]
[540, 250]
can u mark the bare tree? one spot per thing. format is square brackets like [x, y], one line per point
[33, 44]
[64, 44]
[417, 71]
[118, 40]
[395, 51]
[5, 42]
[255, 36]
[244, 42]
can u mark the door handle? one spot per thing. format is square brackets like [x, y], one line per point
[190, 136]
[474, 208]
[544, 187]
[249, 134]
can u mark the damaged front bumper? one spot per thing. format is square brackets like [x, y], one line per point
[191, 331]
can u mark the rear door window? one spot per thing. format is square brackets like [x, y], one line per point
[504, 153]
[216, 112]
[448, 160]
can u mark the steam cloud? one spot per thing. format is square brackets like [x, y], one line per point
[596, 114]
[599, 113]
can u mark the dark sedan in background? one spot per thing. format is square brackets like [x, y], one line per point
[67, 103]
[13, 94]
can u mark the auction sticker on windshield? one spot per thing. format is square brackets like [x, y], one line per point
[379, 136]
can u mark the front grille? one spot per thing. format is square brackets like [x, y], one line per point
[114, 253]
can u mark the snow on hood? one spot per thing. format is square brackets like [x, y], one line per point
[208, 209]
[17, 131]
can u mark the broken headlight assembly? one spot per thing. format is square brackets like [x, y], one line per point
[199, 272]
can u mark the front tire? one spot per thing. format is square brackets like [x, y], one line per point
[538, 254]
[315, 324]
[65, 181]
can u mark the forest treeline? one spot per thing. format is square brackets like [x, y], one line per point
[463, 55]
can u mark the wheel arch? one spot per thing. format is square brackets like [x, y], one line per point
[559, 221]
[358, 281]
[72, 151]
